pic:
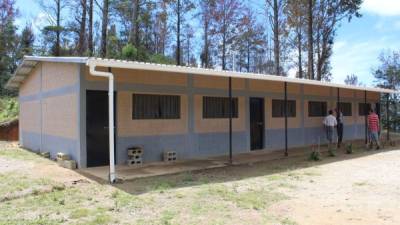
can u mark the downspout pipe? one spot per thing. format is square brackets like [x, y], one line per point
[110, 76]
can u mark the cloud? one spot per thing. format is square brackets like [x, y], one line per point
[40, 20]
[359, 57]
[382, 7]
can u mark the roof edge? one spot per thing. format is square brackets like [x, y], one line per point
[66, 59]
[224, 73]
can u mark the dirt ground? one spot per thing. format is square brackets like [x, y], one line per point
[361, 188]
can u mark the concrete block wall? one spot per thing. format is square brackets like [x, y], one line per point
[49, 109]
[192, 136]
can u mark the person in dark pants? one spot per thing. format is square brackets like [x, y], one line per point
[339, 128]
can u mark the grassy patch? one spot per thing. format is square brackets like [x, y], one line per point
[288, 221]
[20, 154]
[14, 185]
[246, 199]
[167, 216]
[79, 213]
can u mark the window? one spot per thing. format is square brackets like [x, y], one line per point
[363, 108]
[278, 108]
[345, 107]
[218, 107]
[317, 109]
[147, 106]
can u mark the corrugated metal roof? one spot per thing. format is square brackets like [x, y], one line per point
[30, 62]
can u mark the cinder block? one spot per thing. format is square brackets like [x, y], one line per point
[60, 162]
[69, 164]
[133, 162]
[135, 151]
[45, 154]
[135, 157]
[62, 156]
[170, 156]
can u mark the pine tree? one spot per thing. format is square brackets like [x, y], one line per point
[205, 7]
[53, 32]
[8, 43]
[180, 10]
[225, 15]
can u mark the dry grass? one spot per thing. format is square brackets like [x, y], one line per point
[248, 194]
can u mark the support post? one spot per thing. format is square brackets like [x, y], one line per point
[387, 117]
[230, 119]
[338, 100]
[366, 117]
[286, 121]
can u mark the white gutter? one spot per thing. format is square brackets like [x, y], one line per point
[92, 65]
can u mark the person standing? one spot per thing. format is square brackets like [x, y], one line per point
[330, 123]
[373, 128]
[339, 128]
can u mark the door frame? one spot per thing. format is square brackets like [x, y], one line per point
[263, 121]
[115, 126]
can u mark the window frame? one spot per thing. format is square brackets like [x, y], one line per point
[290, 114]
[367, 106]
[340, 106]
[162, 114]
[324, 109]
[224, 112]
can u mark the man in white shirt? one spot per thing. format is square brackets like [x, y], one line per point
[330, 122]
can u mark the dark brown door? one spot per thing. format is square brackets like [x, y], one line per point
[97, 139]
[257, 123]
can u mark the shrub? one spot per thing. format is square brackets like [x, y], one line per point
[8, 109]
[349, 148]
[315, 155]
[331, 151]
[129, 52]
[161, 59]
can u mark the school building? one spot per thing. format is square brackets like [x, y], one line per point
[66, 103]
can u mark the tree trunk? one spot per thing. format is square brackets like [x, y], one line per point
[82, 32]
[58, 31]
[276, 39]
[299, 52]
[206, 53]
[319, 58]
[188, 50]
[90, 38]
[178, 33]
[104, 26]
[223, 50]
[310, 41]
[134, 36]
[248, 56]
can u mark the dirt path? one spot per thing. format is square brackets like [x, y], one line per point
[365, 190]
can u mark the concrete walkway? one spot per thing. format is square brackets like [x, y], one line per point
[125, 172]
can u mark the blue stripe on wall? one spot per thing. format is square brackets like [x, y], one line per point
[51, 93]
[52, 144]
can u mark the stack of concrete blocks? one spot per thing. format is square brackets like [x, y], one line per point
[135, 156]
[45, 154]
[63, 160]
[170, 156]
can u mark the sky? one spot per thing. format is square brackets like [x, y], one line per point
[357, 45]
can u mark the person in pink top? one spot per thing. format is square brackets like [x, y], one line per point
[373, 128]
